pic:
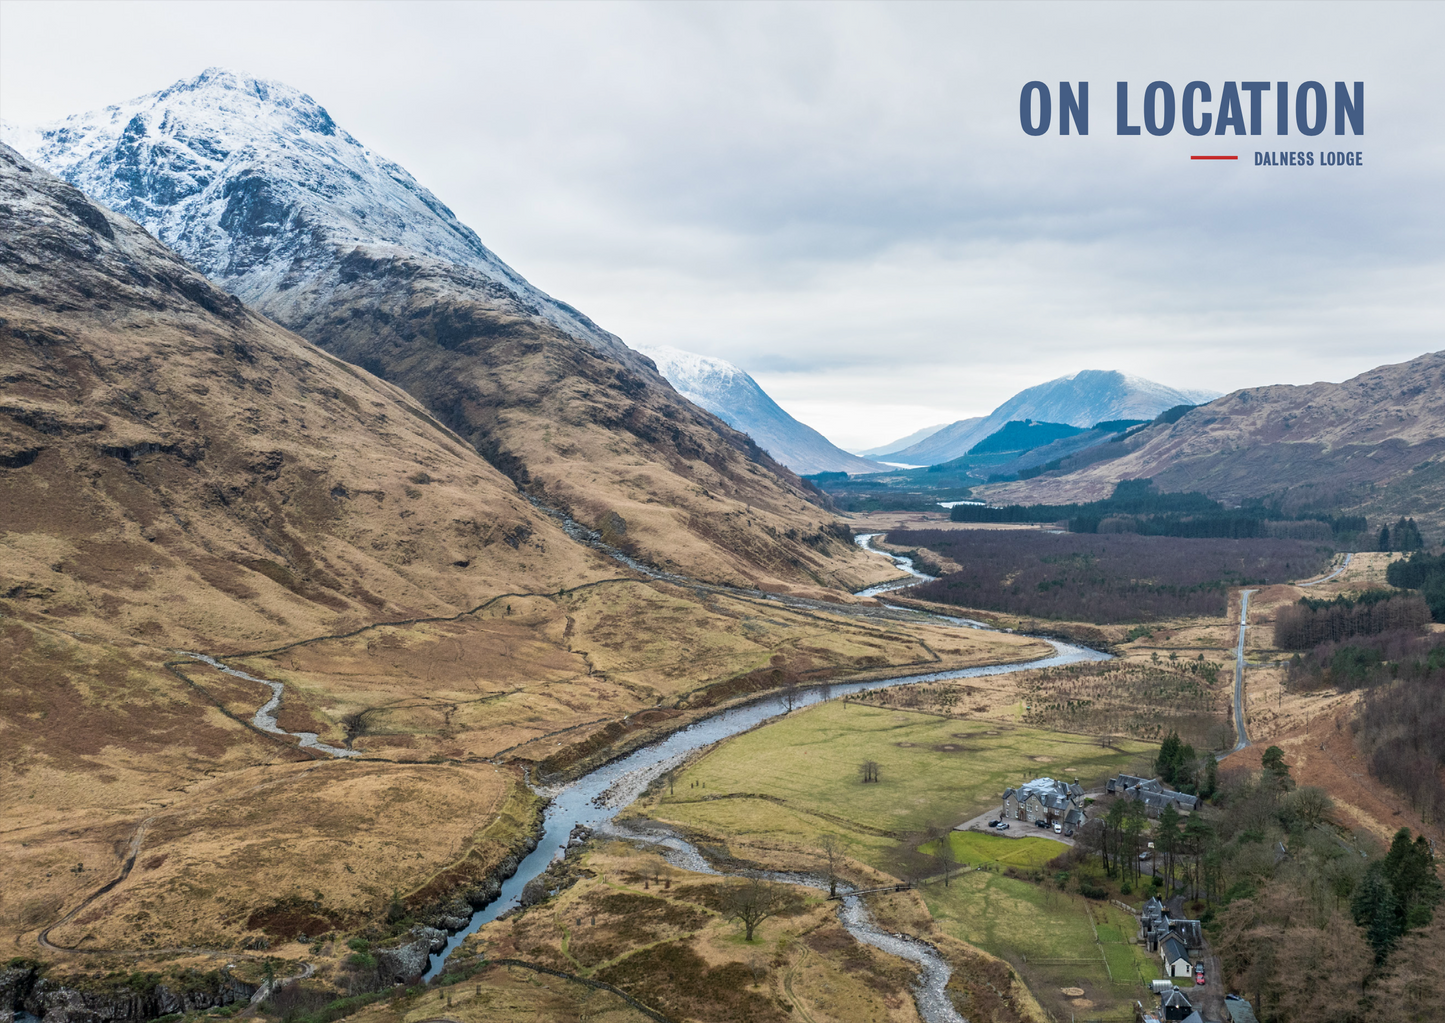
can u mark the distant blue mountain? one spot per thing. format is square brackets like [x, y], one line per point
[1080, 399]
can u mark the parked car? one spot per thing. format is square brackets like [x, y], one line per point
[1003, 826]
[1058, 829]
[994, 823]
[1146, 855]
[1041, 823]
[1068, 832]
[1199, 973]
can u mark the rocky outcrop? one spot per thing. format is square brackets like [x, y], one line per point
[406, 962]
[561, 873]
[24, 988]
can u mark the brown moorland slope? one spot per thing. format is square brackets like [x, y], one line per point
[177, 469]
[255, 184]
[178, 473]
[1375, 442]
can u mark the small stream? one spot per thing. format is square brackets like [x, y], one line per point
[929, 992]
[265, 716]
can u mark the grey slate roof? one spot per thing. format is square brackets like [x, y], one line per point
[1190, 932]
[1174, 949]
[1175, 999]
[1240, 1011]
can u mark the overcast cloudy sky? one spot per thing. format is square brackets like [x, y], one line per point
[840, 199]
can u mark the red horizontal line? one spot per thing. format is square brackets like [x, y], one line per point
[1214, 158]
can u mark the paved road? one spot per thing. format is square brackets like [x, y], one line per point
[1239, 673]
[1327, 578]
[1243, 736]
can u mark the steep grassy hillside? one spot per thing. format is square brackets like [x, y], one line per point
[180, 471]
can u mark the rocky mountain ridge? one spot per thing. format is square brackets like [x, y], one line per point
[1373, 443]
[276, 203]
[255, 184]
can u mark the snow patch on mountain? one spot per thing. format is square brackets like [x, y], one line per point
[735, 398]
[252, 181]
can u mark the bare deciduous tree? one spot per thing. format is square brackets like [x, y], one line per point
[751, 899]
[790, 695]
[1309, 805]
[832, 848]
[942, 849]
[870, 770]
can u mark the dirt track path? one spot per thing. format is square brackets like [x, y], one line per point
[135, 843]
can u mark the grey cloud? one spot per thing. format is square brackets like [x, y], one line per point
[839, 198]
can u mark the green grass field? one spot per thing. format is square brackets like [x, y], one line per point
[977, 849]
[797, 778]
[934, 771]
[1048, 934]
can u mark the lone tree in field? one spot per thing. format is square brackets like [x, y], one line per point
[751, 899]
[870, 770]
[831, 846]
[943, 850]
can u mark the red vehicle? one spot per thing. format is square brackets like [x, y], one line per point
[1199, 973]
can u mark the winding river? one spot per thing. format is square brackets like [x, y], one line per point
[865, 540]
[597, 797]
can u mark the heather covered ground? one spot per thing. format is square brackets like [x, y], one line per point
[1104, 578]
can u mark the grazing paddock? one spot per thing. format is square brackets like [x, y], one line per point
[977, 849]
[1049, 936]
[1130, 697]
[798, 778]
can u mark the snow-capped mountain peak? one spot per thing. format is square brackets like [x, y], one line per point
[735, 398]
[248, 178]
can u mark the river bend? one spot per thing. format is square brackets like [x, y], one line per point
[594, 799]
